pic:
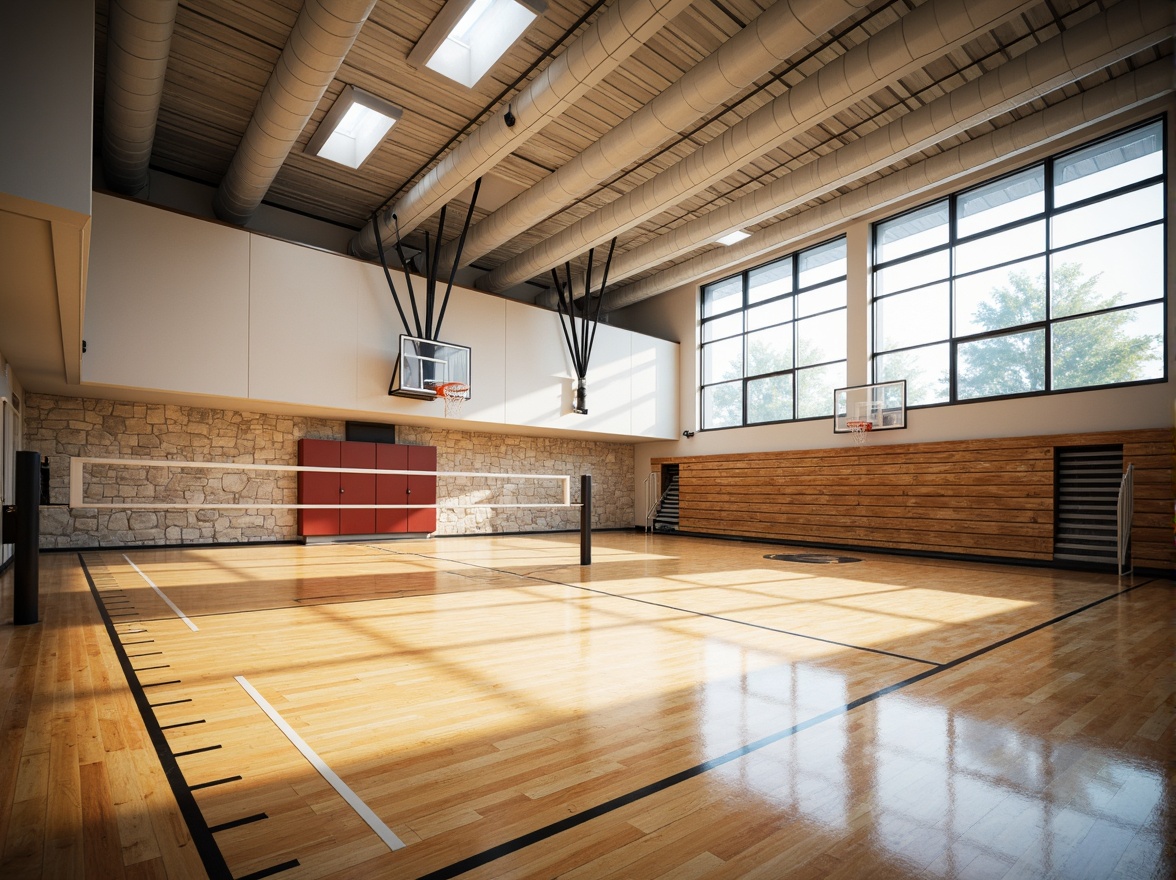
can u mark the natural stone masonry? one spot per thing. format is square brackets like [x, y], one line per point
[60, 427]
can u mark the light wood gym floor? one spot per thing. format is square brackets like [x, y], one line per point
[684, 708]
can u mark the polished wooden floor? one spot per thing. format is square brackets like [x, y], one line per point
[684, 708]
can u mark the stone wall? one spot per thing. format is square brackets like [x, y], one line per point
[60, 427]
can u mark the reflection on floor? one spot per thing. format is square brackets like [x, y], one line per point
[682, 708]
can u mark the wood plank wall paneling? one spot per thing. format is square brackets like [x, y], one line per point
[976, 497]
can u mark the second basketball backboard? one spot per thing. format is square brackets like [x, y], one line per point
[881, 405]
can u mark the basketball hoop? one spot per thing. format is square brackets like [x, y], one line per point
[454, 395]
[860, 429]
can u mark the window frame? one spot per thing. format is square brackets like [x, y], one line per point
[746, 304]
[1046, 215]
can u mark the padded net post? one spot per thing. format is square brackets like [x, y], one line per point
[586, 519]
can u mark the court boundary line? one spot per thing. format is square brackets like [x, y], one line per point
[170, 604]
[206, 846]
[521, 842]
[353, 800]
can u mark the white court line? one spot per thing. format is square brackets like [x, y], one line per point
[169, 602]
[365, 812]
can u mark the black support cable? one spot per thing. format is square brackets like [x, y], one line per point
[407, 277]
[388, 275]
[562, 324]
[457, 257]
[599, 300]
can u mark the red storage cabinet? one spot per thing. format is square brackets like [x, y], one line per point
[357, 489]
[318, 488]
[422, 489]
[392, 488]
[364, 490]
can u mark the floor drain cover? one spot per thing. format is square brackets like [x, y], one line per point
[817, 558]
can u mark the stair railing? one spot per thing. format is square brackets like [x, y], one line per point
[1126, 506]
[652, 498]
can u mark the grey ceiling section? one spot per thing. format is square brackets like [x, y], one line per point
[321, 38]
[137, 48]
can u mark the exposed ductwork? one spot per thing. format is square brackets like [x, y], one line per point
[1088, 46]
[321, 38]
[1101, 102]
[619, 31]
[138, 42]
[922, 35]
[783, 29]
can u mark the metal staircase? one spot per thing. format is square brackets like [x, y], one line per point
[1085, 519]
[666, 518]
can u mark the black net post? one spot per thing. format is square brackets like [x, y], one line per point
[585, 519]
[26, 562]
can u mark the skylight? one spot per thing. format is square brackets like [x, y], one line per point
[733, 237]
[463, 50]
[353, 127]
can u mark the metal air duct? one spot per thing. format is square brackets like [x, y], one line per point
[1126, 28]
[912, 42]
[1102, 102]
[138, 42]
[321, 38]
[779, 32]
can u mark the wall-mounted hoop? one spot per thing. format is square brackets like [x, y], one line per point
[454, 394]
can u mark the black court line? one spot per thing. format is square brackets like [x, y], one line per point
[511, 846]
[171, 702]
[144, 654]
[181, 724]
[149, 668]
[212, 782]
[237, 823]
[140, 642]
[159, 683]
[687, 611]
[269, 872]
[210, 854]
[195, 751]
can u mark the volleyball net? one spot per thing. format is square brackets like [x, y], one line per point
[137, 484]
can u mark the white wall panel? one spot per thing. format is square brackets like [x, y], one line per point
[167, 305]
[178, 304]
[303, 324]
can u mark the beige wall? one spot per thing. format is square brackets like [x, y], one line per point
[178, 305]
[60, 427]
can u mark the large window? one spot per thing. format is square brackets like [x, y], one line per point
[1048, 279]
[773, 340]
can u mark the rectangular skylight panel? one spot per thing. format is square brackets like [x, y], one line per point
[353, 127]
[480, 37]
[358, 133]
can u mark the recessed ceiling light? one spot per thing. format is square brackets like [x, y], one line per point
[733, 237]
[468, 36]
[353, 127]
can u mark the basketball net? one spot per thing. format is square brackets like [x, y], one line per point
[860, 430]
[454, 395]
